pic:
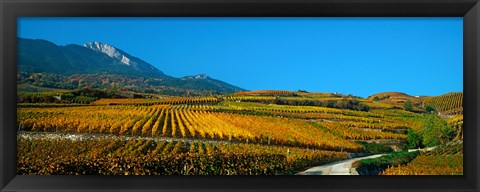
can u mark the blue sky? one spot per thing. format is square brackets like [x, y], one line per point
[359, 56]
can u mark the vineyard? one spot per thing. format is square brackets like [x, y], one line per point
[429, 165]
[168, 101]
[266, 92]
[448, 104]
[181, 121]
[398, 100]
[248, 133]
[445, 159]
[149, 157]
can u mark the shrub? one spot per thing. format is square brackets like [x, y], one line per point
[375, 148]
[429, 109]
[377, 165]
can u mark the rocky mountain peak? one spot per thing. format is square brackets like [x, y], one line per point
[108, 50]
[201, 76]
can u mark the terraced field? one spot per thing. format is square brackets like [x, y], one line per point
[259, 132]
[446, 159]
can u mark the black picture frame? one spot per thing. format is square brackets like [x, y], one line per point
[10, 10]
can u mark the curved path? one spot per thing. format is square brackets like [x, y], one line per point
[344, 167]
[99, 136]
[336, 168]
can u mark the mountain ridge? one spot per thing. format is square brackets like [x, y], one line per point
[95, 62]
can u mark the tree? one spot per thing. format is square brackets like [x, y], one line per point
[408, 106]
[436, 131]
[429, 109]
[414, 139]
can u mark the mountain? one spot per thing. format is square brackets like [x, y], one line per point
[124, 58]
[203, 81]
[103, 66]
[44, 56]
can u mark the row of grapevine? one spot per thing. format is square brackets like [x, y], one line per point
[444, 159]
[379, 126]
[375, 113]
[49, 105]
[456, 123]
[250, 98]
[451, 102]
[293, 109]
[455, 111]
[450, 148]
[375, 119]
[181, 122]
[359, 134]
[150, 157]
[103, 119]
[286, 131]
[83, 99]
[267, 92]
[53, 97]
[167, 101]
[429, 165]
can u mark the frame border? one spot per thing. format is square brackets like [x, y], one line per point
[10, 10]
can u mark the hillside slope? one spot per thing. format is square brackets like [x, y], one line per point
[399, 100]
[447, 104]
[102, 66]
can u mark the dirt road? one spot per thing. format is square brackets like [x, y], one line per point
[335, 168]
[344, 167]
